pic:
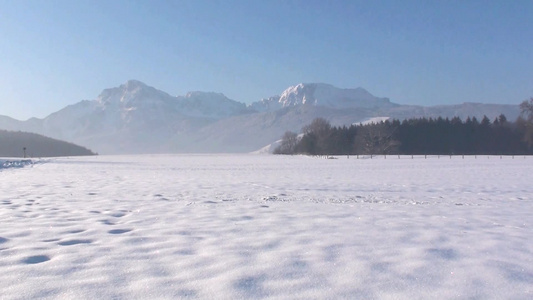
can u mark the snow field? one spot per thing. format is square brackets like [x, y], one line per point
[262, 226]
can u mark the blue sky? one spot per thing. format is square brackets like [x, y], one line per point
[55, 53]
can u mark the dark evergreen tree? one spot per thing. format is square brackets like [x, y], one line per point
[417, 136]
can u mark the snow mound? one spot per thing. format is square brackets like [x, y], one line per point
[374, 120]
[268, 149]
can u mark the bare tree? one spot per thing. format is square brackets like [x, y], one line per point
[288, 143]
[376, 139]
[319, 131]
[527, 113]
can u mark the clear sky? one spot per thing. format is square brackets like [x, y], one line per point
[54, 53]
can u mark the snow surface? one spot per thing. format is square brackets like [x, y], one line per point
[14, 163]
[263, 226]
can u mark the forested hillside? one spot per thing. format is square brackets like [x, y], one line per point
[414, 136]
[24, 144]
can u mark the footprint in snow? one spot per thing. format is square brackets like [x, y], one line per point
[118, 231]
[119, 214]
[50, 240]
[37, 259]
[74, 231]
[107, 222]
[443, 253]
[74, 242]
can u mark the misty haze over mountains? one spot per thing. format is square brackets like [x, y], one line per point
[137, 118]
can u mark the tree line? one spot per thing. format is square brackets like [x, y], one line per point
[431, 136]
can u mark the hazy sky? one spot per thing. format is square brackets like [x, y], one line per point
[56, 53]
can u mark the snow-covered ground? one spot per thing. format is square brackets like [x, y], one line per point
[8, 163]
[263, 226]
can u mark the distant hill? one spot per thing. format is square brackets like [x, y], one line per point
[13, 143]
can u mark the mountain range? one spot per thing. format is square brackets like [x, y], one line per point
[137, 118]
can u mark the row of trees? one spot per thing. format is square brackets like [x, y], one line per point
[416, 136]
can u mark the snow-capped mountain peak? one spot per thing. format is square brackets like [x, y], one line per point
[131, 94]
[209, 104]
[321, 94]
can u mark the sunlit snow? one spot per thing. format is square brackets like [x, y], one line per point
[263, 226]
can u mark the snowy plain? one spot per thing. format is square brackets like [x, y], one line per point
[264, 226]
